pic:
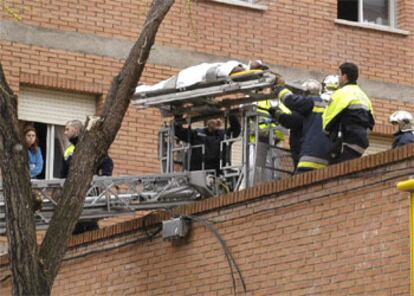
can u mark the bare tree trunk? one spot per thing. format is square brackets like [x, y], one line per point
[28, 275]
[34, 271]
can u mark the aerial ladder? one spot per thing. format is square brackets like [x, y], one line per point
[176, 185]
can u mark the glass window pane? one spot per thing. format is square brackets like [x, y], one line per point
[348, 10]
[376, 12]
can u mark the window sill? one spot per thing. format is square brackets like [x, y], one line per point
[254, 6]
[372, 27]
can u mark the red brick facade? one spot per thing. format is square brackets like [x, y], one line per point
[302, 35]
[338, 231]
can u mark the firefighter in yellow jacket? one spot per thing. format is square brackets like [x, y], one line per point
[264, 164]
[349, 117]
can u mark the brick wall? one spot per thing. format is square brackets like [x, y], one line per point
[134, 150]
[300, 34]
[40, 67]
[343, 230]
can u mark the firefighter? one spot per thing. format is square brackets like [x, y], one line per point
[405, 134]
[293, 121]
[329, 85]
[266, 125]
[348, 117]
[73, 129]
[315, 145]
[211, 137]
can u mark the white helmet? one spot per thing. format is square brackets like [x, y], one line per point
[330, 83]
[404, 120]
[312, 86]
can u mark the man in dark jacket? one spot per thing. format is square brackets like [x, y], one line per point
[293, 122]
[314, 144]
[73, 129]
[210, 137]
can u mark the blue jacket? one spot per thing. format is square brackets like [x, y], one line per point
[293, 122]
[315, 144]
[403, 138]
[35, 162]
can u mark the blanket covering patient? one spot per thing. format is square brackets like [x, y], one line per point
[205, 72]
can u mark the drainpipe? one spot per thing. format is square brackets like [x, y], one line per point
[408, 186]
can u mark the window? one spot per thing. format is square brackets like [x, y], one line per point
[52, 143]
[48, 111]
[378, 12]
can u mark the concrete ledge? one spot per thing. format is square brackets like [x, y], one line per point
[372, 27]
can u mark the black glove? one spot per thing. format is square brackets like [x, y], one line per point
[275, 112]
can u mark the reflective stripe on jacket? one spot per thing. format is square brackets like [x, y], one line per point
[266, 122]
[349, 97]
[315, 148]
[69, 151]
[350, 112]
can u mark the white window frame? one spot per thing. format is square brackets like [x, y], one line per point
[252, 4]
[50, 151]
[391, 13]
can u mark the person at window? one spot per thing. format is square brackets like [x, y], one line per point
[349, 116]
[34, 152]
[73, 129]
[314, 144]
[211, 137]
[405, 134]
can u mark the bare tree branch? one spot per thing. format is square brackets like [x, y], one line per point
[34, 269]
[95, 143]
[28, 275]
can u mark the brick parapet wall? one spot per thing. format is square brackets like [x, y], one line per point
[343, 173]
[300, 34]
[344, 231]
[354, 169]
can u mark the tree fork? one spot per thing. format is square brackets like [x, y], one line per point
[34, 270]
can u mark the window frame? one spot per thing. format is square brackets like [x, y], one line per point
[49, 156]
[249, 4]
[392, 15]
